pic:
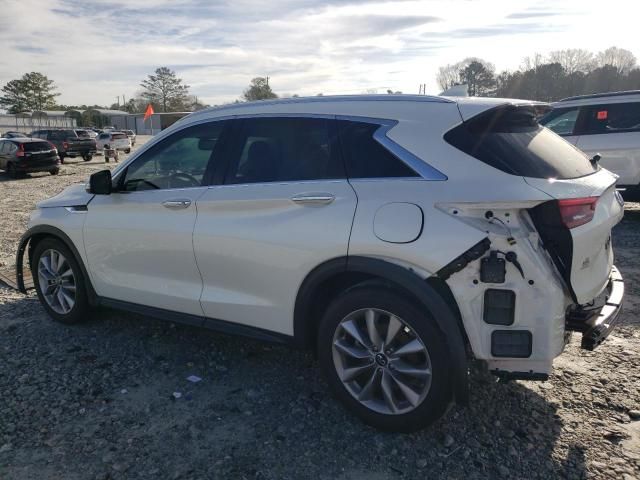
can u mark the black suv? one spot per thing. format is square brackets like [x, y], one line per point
[26, 155]
[68, 143]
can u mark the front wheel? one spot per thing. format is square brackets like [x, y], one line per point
[59, 282]
[87, 157]
[384, 357]
[54, 171]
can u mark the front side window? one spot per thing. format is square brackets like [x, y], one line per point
[178, 161]
[284, 149]
[561, 120]
[612, 118]
[365, 157]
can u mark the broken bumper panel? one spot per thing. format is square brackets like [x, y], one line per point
[597, 321]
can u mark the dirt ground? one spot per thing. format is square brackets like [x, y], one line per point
[96, 400]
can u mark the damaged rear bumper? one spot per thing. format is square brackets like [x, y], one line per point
[597, 320]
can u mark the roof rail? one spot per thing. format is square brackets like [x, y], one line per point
[332, 98]
[601, 95]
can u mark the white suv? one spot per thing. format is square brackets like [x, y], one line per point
[116, 140]
[398, 236]
[605, 124]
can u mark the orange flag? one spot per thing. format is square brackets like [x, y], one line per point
[149, 112]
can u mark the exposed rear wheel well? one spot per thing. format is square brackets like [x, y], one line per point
[344, 281]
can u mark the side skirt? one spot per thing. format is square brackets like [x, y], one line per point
[222, 326]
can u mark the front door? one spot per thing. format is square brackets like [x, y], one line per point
[284, 208]
[138, 240]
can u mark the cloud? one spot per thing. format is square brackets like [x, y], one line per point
[305, 46]
[31, 49]
[530, 14]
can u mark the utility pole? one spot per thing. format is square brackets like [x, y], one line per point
[118, 100]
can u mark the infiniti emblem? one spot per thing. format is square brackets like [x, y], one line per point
[381, 360]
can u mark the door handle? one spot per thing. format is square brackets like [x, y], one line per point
[313, 198]
[177, 204]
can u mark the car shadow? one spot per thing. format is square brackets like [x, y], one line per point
[259, 408]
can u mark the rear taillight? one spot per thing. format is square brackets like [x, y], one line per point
[53, 147]
[20, 152]
[65, 145]
[577, 211]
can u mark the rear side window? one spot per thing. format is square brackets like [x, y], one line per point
[36, 146]
[510, 139]
[612, 118]
[284, 149]
[365, 157]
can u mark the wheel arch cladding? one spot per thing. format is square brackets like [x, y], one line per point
[33, 237]
[335, 276]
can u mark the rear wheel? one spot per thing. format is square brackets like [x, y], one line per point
[61, 155]
[54, 171]
[59, 282]
[87, 157]
[385, 359]
[128, 150]
[12, 171]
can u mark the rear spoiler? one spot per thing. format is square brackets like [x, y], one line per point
[473, 106]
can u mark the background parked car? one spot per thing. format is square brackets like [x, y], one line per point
[68, 143]
[132, 136]
[27, 155]
[118, 140]
[607, 124]
[13, 135]
[86, 133]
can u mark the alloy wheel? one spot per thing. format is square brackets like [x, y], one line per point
[57, 282]
[381, 361]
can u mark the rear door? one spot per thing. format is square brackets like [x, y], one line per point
[613, 131]
[284, 207]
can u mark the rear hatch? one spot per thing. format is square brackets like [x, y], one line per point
[39, 153]
[575, 223]
[120, 140]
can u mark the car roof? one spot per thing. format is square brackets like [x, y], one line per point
[357, 105]
[23, 139]
[598, 98]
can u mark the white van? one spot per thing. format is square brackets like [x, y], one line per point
[607, 124]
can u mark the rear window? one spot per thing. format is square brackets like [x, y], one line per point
[118, 136]
[62, 134]
[510, 139]
[82, 134]
[37, 146]
[129, 132]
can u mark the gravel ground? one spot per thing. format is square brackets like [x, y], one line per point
[96, 400]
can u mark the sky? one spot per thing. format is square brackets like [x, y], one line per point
[97, 50]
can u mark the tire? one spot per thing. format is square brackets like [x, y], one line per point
[128, 150]
[61, 155]
[87, 158]
[58, 306]
[55, 171]
[12, 171]
[430, 393]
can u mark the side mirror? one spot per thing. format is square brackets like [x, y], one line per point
[100, 183]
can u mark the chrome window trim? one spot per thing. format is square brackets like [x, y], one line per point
[421, 167]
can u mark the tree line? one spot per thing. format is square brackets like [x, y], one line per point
[561, 74]
[163, 89]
